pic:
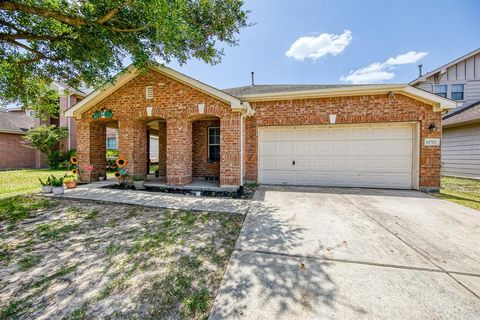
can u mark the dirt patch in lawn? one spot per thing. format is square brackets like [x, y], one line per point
[72, 259]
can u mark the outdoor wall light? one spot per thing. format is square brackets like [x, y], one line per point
[432, 127]
[149, 111]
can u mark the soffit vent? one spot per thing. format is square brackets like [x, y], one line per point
[149, 92]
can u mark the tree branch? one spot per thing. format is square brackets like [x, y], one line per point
[27, 36]
[73, 21]
[47, 13]
[10, 25]
[39, 55]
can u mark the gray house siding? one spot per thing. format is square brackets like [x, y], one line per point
[465, 72]
[461, 151]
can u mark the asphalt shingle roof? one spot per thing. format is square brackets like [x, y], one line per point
[275, 88]
[466, 114]
[15, 122]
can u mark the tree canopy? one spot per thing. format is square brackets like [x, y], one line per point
[90, 40]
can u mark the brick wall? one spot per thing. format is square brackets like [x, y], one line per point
[201, 166]
[177, 103]
[15, 155]
[360, 109]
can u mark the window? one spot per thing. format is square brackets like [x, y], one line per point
[213, 144]
[457, 92]
[440, 90]
[111, 143]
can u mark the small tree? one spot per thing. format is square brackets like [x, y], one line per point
[44, 138]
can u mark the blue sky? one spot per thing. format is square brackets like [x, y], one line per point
[383, 41]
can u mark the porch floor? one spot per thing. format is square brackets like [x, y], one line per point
[196, 184]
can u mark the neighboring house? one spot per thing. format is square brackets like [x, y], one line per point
[458, 80]
[385, 136]
[14, 153]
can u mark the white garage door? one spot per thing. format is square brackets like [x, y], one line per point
[337, 155]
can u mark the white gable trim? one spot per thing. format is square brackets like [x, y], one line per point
[131, 72]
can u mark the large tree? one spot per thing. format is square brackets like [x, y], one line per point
[89, 40]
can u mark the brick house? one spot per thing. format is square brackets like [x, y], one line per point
[14, 153]
[384, 136]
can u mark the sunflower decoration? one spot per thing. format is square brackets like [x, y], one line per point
[121, 162]
[118, 174]
[74, 171]
[74, 160]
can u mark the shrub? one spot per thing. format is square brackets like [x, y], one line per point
[44, 139]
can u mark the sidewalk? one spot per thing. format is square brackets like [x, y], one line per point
[94, 191]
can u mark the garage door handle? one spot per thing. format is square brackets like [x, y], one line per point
[293, 162]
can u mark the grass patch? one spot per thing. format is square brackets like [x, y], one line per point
[461, 190]
[18, 208]
[55, 230]
[115, 262]
[57, 274]
[24, 181]
[13, 309]
[29, 261]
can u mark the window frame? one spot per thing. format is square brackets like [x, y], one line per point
[213, 144]
[462, 92]
[441, 94]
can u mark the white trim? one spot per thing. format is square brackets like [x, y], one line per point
[131, 72]
[68, 124]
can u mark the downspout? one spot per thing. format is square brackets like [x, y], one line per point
[241, 148]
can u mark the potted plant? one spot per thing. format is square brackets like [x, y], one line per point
[46, 185]
[57, 184]
[138, 182]
[70, 181]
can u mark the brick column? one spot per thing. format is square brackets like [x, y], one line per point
[132, 146]
[230, 151]
[162, 149]
[179, 152]
[91, 150]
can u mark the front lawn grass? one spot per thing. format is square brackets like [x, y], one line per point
[461, 190]
[70, 259]
[24, 181]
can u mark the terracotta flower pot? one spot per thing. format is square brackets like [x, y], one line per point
[72, 184]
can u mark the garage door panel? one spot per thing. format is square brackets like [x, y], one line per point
[286, 148]
[358, 156]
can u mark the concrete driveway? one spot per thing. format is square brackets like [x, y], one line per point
[331, 253]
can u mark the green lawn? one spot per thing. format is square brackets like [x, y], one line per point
[24, 181]
[462, 191]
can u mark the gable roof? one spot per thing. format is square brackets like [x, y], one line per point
[131, 72]
[239, 97]
[282, 92]
[274, 88]
[431, 73]
[16, 122]
[466, 115]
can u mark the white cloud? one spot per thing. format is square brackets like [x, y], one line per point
[409, 57]
[381, 71]
[317, 47]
